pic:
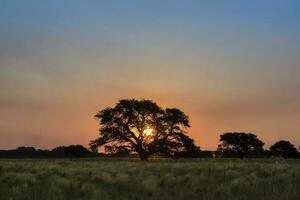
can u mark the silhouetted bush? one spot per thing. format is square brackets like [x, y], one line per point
[59, 152]
[284, 149]
[71, 151]
[237, 144]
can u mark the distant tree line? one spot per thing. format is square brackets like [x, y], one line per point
[238, 144]
[232, 145]
[72, 151]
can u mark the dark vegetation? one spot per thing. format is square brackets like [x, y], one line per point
[240, 144]
[284, 149]
[281, 149]
[72, 151]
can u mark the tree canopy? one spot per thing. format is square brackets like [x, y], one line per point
[284, 149]
[240, 144]
[143, 127]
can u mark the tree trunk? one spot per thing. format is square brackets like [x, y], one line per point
[143, 155]
[144, 158]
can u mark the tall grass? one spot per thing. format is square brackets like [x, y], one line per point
[158, 179]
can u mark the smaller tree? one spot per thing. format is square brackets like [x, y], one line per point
[284, 149]
[240, 144]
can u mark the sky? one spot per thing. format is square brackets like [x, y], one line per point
[230, 65]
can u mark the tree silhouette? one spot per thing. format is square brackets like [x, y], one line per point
[284, 149]
[143, 127]
[72, 150]
[241, 144]
[58, 152]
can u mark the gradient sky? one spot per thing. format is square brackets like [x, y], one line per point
[231, 65]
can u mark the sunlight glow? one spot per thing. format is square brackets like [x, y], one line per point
[148, 131]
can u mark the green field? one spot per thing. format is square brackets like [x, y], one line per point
[158, 179]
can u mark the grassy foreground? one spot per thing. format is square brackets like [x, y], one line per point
[161, 179]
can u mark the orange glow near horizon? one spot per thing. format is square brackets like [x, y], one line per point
[73, 123]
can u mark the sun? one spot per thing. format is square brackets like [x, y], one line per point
[148, 131]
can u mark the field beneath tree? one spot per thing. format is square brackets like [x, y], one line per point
[157, 179]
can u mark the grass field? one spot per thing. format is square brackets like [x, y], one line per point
[160, 179]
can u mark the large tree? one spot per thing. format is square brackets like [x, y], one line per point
[284, 149]
[143, 127]
[240, 144]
